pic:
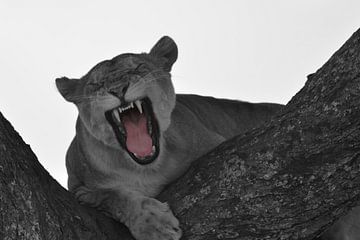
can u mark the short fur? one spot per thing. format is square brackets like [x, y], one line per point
[103, 175]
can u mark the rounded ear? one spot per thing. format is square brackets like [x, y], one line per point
[166, 50]
[68, 88]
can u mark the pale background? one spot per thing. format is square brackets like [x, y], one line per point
[259, 51]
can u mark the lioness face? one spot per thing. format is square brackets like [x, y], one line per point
[126, 102]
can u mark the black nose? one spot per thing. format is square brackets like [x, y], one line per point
[119, 91]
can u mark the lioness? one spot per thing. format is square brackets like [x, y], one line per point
[134, 135]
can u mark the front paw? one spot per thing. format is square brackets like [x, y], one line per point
[89, 197]
[154, 220]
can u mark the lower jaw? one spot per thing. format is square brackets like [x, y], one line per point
[140, 160]
[144, 160]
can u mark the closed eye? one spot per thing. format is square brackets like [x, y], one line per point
[138, 68]
[96, 85]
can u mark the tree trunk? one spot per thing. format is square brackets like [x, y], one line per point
[288, 179]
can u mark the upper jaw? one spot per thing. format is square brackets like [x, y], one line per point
[127, 106]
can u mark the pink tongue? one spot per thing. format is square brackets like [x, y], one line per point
[138, 140]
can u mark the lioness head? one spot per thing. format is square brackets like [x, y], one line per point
[126, 102]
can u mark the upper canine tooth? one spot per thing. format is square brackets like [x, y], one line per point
[138, 105]
[117, 116]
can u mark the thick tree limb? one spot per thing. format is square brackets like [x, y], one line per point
[34, 206]
[289, 179]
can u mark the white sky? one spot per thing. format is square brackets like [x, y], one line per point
[253, 50]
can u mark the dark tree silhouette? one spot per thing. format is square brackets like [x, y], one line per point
[290, 178]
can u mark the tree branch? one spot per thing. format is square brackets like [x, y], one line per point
[289, 179]
[34, 206]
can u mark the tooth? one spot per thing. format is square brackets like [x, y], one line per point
[149, 127]
[120, 110]
[131, 104]
[138, 105]
[117, 116]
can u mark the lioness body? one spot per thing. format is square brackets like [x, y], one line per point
[193, 131]
[134, 135]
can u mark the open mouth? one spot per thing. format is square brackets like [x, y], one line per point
[136, 129]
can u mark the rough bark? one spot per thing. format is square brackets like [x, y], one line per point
[288, 179]
[34, 206]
